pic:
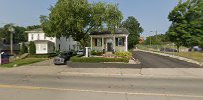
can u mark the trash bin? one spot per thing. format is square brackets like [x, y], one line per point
[4, 58]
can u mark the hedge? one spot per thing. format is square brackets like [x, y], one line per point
[42, 55]
[124, 54]
[98, 59]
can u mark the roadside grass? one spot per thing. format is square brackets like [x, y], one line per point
[198, 56]
[22, 62]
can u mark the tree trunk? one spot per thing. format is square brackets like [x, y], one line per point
[178, 48]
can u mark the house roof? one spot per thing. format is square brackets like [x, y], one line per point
[7, 47]
[38, 30]
[106, 31]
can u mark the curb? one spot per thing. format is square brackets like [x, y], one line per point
[173, 56]
[126, 75]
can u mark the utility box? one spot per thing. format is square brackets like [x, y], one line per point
[87, 52]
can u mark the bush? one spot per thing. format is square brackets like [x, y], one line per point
[98, 59]
[98, 53]
[42, 55]
[23, 49]
[124, 54]
[32, 48]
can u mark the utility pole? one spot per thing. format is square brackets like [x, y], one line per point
[12, 31]
[156, 41]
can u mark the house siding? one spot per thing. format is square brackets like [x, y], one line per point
[66, 44]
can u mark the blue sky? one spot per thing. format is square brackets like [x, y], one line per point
[152, 14]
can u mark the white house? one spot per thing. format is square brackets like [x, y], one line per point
[46, 44]
[109, 42]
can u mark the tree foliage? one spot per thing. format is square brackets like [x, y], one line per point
[33, 27]
[23, 48]
[77, 18]
[134, 28]
[18, 36]
[159, 39]
[187, 23]
[32, 48]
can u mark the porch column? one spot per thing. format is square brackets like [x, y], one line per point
[114, 43]
[103, 43]
[126, 43]
[91, 43]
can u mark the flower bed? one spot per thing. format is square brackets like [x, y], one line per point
[98, 59]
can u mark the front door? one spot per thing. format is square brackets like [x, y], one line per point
[109, 47]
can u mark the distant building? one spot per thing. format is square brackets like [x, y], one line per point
[45, 44]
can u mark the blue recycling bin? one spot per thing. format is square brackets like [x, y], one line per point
[5, 58]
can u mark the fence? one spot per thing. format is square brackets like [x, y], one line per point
[162, 48]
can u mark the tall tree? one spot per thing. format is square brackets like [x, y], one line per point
[19, 35]
[187, 23]
[77, 18]
[134, 28]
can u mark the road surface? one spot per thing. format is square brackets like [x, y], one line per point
[149, 60]
[56, 87]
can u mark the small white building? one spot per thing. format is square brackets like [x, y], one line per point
[46, 44]
[108, 42]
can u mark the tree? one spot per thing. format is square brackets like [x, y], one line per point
[77, 18]
[134, 28]
[33, 27]
[19, 35]
[187, 23]
[23, 48]
[158, 39]
[32, 48]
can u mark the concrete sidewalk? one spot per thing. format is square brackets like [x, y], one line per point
[106, 72]
[122, 72]
[47, 68]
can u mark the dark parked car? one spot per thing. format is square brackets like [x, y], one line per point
[63, 58]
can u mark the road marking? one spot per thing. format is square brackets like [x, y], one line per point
[94, 91]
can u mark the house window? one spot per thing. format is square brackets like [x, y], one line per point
[44, 37]
[120, 41]
[98, 42]
[43, 47]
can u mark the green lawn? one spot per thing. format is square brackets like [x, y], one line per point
[198, 56]
[22, 62]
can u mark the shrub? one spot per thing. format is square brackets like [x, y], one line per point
[23, 49]
[42, 55]
[32, 48]
[124, 54]
[98, 53]
[98, 59]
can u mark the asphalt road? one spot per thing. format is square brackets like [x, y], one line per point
[60, 87]
[56, 87]
[149, 60]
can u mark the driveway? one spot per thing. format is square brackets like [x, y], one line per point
[149, 60]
